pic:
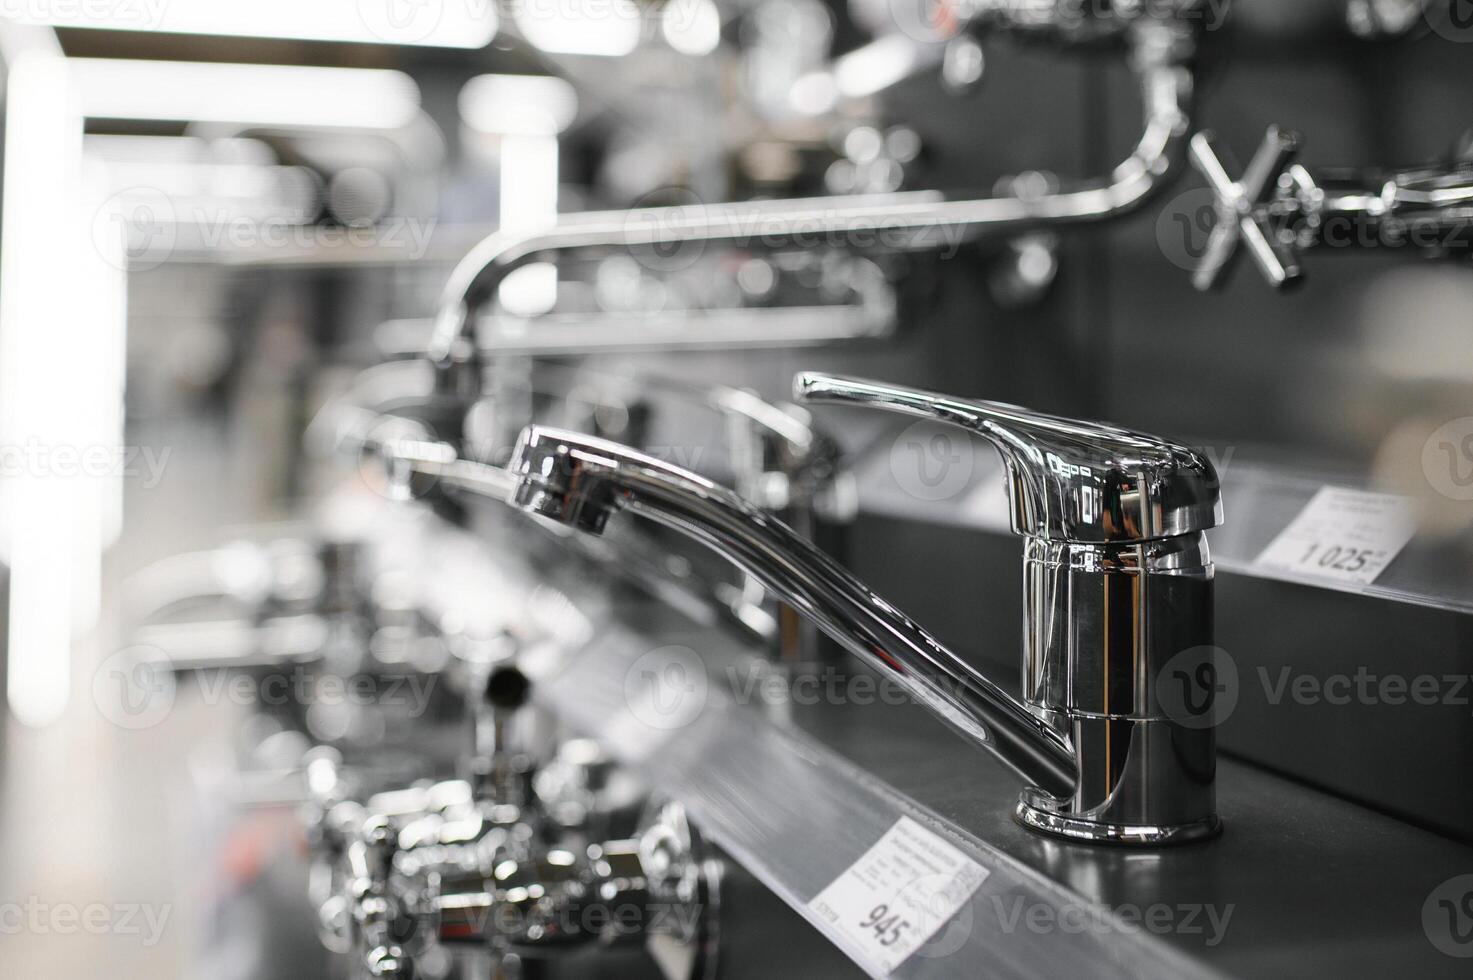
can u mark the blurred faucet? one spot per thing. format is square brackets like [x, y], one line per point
[490, 866]
[1278, 207]
[1158, 53]
[777, 458]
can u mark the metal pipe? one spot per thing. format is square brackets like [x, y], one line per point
[1158, 52]
[1279, 207]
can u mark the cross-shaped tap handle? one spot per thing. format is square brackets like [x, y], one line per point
[1241, 212]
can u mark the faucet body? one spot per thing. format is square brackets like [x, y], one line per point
[1117, 601]
[1105, 628]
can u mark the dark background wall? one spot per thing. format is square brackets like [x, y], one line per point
[1316, 382]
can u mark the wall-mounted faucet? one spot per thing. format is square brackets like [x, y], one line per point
[1278, 207]
[1117, 590]
[1158, 51]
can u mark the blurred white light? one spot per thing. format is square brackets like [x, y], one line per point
[521, 117]
[103, 387]
[876, 66]
[430, 23]
[691, 27]
[861, 73]
[49, 522]
[195, 180]
[529, 182]
[814, 94]
[606, 28]
[260, 95]
[525, 105]
[121, 151]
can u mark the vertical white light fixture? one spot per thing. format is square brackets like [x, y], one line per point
[529, 179]
[49, 520]
[63, 280]
[525, 113]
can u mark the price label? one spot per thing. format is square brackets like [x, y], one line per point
[895, 899]
[1346, 535]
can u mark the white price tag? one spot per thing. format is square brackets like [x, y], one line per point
[895, 898]
[1346, 535]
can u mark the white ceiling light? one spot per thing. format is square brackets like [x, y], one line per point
[607, 28]
[691, 27]
[520, 105]
[258, 95]
[430, 23]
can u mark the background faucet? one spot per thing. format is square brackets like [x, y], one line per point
[775, 456]
[1279, 207]
[1158, 50]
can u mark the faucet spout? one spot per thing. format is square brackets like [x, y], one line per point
[1159, 55]
[581, 481]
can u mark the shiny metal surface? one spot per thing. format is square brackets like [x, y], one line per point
[1113, 524]
[1158, 53]
[501, 864]
[580, 481]
[1278, 207]
[1106, 632]
[778, 458]
[586, 333]
[1093, 736]
[1240, 209]
[1068, 480]
[795, 810]
[1117, 606]
[1300, 875]
[869, 311]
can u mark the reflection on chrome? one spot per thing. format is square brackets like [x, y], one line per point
[1278, 207]
[1108, 600]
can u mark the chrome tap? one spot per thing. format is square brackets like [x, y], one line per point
[1159, 51]
[1117, 590]
[1278, 207]
[778, 459]
[444, 867]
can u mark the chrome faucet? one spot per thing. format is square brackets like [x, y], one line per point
[1117, 592]
[1159, 50]
[1278, 208]
[777, 458]
[481, 868]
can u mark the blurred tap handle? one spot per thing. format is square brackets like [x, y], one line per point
[1242, 209]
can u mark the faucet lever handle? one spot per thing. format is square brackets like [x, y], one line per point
[1242, 212]
[1068, 480]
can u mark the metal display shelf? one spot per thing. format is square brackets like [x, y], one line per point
[796, 815]
[798, 791]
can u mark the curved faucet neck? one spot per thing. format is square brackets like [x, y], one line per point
[581, 481]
